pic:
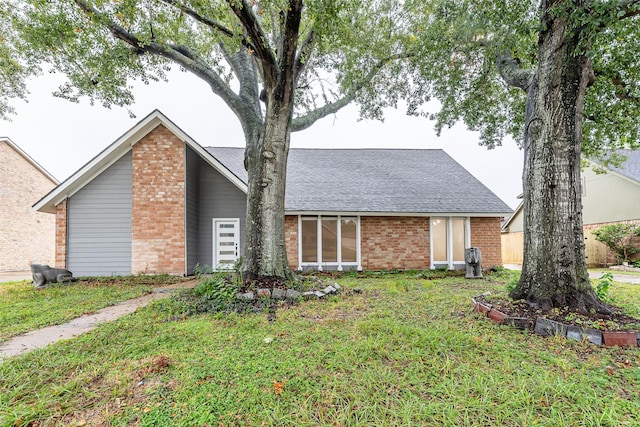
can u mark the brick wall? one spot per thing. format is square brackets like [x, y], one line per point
[485, 234]
[61, 235]
[26, 236]
[158, 204]
[394, 242]
[403, 242]
[291, 240]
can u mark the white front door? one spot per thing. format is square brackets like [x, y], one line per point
[226, 242]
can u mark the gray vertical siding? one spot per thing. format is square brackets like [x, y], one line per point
[219, 198]
[99, 224]
[192, 211]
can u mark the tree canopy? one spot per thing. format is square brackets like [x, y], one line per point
[468, 43]
[347, 50]
[13, 71]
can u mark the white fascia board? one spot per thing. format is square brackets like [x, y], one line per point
[29, 159]
[119, 148]
[412, 214]
[505, 226]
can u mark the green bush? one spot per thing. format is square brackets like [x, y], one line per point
[620, 238]
[215, 292]
[603, 287]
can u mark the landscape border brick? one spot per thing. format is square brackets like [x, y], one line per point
[548, 327]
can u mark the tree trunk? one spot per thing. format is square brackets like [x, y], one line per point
[554, 272]
[265, 255]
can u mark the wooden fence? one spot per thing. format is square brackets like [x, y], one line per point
[597, 253]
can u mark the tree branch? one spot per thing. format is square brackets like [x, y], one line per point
[290, 41]
[243, 11]
[622, 89]
[628, 8]
[304, 122]
[512, 74]
[217, 26]
[178, 54]
[304, 53]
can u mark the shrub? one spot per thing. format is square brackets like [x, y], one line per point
[620, 238]
[215, 292]
[602, 288]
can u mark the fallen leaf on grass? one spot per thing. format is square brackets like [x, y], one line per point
[278, 387]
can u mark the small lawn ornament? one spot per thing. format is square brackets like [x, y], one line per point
[473, 263]
[43, 274]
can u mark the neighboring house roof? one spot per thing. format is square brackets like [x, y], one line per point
[376, 181]
[629, 169]
[327, 180]
[631, 166]
[28, 158]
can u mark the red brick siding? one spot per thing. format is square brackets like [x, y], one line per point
[291, 239]
[485, 234]
[61, 235]
[158, 204]
[403, 242]
[26, 235]
[394, 242]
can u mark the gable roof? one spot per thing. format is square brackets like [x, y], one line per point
[376, 181]
[28, 158]
[119, 148]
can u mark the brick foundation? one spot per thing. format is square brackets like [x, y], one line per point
[158, 204]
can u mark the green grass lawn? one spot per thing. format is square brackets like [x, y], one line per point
[403, 351]
[23, 308]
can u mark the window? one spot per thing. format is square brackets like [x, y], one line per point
[309, 239]
[329, 242]
[450, 236]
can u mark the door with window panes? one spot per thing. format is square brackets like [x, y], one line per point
[226, 242]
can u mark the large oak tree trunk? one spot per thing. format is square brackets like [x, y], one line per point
[554, 272]
[265, 255]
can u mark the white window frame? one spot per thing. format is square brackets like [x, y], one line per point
[319, 264]
[449, 224]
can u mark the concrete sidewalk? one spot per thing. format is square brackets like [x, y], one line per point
[15, 276]
[45, 336]
[634, 279]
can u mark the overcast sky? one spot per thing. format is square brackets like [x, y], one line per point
[62, 136]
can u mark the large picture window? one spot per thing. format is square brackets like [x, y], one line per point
[450, 236]
[329, 242]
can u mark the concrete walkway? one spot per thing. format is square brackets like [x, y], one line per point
[45, 336]
[633, 279]
[14, 276]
